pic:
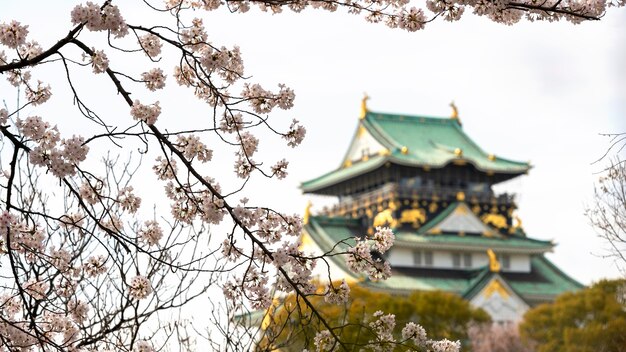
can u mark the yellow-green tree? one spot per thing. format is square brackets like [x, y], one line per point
[441, 314]
[593, 319]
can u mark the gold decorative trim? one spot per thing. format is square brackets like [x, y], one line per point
[404, 150]
[364, 106]
[384, 152]
[307, 213]
[491, 157]
[494, 265]
[496, 286]
[458, 152]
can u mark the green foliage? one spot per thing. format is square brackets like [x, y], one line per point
[443, 315]
[593, 319]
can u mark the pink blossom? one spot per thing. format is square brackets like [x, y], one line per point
[39, 95]
[154, 79]
[95, 266]
[151, 233]
[13, 34]
[139, 287]
[145, 113]
[128, 200]
[295, 135]
[99, 61]
[151, 44]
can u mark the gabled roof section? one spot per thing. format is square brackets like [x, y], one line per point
[458, 218]
[411, 141]
[435, 142]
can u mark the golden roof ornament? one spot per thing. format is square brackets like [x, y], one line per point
[455, 112]
[494, 265]
[307, 213]
[364, 106]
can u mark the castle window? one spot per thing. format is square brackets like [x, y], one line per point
[456, 260]
[417, 258]
[428, 258]
[467, 260]
[505, 260]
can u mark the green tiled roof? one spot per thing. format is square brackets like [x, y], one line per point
[545, 281]
[518, 244]
[432, 141]
[555, 281]
[429, 141]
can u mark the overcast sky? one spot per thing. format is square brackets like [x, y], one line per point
[534, 91]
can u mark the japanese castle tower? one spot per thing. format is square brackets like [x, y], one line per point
[431, 183]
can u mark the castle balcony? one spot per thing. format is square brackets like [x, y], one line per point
[379, 198]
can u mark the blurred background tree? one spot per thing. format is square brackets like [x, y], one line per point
[593, 319]
[441, 314]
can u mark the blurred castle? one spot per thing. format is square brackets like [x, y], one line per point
[432, 184]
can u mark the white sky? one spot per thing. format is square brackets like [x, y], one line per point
[540, 92]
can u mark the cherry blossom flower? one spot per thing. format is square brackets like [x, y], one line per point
[383, 239]
[280, 169]
[295, 135]
[324, 341]
[416, 333]
[145, 113]
[139, 287]
[96, 19]
[165, 169]
[143, 346]
[13, 34]
[446, 345]
[128, 200]
[95, 266]
[151, 233]
[39, 95]
[337, 295]
[151, 44]
[99, 61]
[154, 79]
[36, 289]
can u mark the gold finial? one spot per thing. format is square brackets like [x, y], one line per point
[494, 265]
[491, 157]
[307, 213]
[364, 106]
[460, 196]
[458, 152]
[404, 150]
[455, 112]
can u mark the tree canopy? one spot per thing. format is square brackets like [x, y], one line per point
[593, 319]
[442, 315]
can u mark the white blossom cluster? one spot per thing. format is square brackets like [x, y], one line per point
[400, 13]
[145, 113]
[359, 257]
[127, 200]
[151, 233]
[99, 61]
[193, 148]
[337, 295]
[100, 19]
[13, 34]
[383, 330]
[59, 156]
[139, 287]
[154, 79]
[151, 44]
